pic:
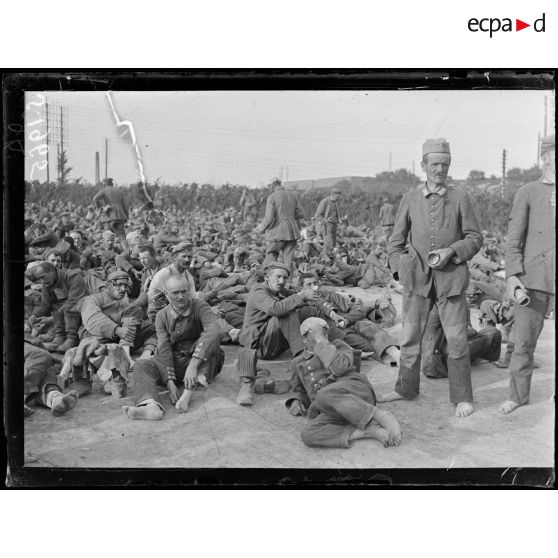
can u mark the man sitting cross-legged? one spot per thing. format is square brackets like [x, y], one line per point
[188, 351]
[340, 401]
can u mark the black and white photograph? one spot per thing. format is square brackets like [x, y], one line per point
[355, 274]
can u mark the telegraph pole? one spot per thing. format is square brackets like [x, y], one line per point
[62, 128]
[106, 157]
[47, 144]
[504, 154]
[538, 149]
[97, 170]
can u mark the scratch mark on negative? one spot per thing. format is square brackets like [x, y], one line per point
[452, 462]
[129, 129]
[487, 76]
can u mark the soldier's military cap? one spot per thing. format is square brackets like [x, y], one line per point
[435, 145]
[118, 275]
[277, 265]
[183, 247]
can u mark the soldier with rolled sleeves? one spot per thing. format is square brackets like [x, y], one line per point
[434, 219]
[61, 299]
[188, 351]
[271, 324]
[340, 402]
[530, 270]
[281, 225]
[327, 214]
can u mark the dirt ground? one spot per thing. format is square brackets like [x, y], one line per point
[216, 432]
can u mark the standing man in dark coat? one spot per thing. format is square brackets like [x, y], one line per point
[434, 219]
[281, 224]
[115, 209]
[530, 267]
[328, 216]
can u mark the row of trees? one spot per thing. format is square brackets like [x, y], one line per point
[361, 201]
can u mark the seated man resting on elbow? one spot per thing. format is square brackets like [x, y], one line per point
[341, 403]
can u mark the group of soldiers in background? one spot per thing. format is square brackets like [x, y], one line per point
[112, 293]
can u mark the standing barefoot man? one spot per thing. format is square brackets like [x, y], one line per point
[434, 218]
[530, 267]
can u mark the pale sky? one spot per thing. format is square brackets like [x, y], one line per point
[245, 137]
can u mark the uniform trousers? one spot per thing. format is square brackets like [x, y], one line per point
[280, 248]
[344, 406]
[453, 314]
[282, 333]
[149, 373]
[38, 380]
[329, 232]
[364, 335]
[528, 324]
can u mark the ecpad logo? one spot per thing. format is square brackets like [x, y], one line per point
[494, 24]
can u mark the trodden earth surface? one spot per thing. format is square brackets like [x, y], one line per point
[217, 433]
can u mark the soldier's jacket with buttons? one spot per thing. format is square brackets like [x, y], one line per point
[328, 361]
[430, 222]
[192, 333]
[531, 242]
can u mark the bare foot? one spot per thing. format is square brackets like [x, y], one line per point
[376, 432]
[463, 409]
[63, 403]
[365, 355]
[389, 422]
[507, 407]
[184, 401]
[391, 396]
[151, 411]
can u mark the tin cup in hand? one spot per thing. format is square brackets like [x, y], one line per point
[521, 297]
[433, 258]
